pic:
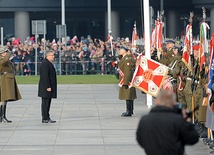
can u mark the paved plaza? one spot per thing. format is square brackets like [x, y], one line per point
[88, 123]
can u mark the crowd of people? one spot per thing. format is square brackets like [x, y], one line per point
[83, 56]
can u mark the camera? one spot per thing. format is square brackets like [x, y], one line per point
[178, 109]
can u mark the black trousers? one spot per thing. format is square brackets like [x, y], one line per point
[45, 107]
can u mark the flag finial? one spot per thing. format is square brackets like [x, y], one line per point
[160, 15]
[135, 23]
[204, 13]
[191, 14]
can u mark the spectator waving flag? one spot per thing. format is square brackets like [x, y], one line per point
[187, 51]
[149, 76]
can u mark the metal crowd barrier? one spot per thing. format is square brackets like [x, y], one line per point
[67, 68]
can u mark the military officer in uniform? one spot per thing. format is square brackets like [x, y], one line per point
[126, 67]
[178, 68]
[187, 91]
[200, 87]
[8, 88]
[167, 53]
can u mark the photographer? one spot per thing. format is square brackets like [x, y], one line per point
[164, 131]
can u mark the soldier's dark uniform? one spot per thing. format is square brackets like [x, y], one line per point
[127, 66]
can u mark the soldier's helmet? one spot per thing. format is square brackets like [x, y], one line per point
[3, 49]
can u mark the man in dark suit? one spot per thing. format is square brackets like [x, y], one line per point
[47, 85]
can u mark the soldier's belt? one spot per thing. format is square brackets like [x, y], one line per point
[189, 79]
[7, 73]
[196, 81]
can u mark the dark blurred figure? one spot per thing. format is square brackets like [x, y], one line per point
[18, 62]
[164, 131]
[154, 55]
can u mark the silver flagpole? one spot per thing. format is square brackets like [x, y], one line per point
[109, 16]
[63, 12]
[109, 24]
[2, 36]
[147, 41]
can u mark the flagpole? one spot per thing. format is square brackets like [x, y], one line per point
[147, 41]
[109, 16]
[63, 11]
[109, 24]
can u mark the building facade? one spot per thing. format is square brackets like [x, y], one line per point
[84, 17]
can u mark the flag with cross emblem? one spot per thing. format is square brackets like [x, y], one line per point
[149, 76]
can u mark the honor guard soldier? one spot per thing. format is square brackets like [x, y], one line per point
[201, 80]
[192, 78]
[177, 71]
[8, 88]
[167, 53]
[126, 70]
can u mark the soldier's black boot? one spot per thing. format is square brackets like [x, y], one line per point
[4, 119]
[128, 109]
[132, 106]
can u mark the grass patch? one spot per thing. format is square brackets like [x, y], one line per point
[72, 79]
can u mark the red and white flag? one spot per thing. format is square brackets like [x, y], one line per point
[121, 83]
[203, 42]
[109, 38]
[149, 76]
[134, 36]
[157, 37]
[187, 47]
[153, 38]
[167, 85]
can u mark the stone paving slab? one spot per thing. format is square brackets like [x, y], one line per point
[88, 123]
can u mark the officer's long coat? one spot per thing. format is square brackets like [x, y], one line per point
[127, 66]
[47, 80]
[8, 88]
